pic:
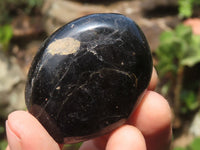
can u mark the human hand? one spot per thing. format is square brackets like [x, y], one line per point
[148, 128]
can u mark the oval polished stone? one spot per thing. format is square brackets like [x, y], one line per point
[87, 77]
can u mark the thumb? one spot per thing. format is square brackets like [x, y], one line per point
[24, 132]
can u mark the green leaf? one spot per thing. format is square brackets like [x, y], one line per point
[190, 100]
[165, 88]
[178, 48]
[2, 130]
[166, 37]
[73, 146]
[190, 61]
[185, 8]
[179, 148]
[183, 31]
[192, 56]
[6, 34]
[195, 145]
[3, 144]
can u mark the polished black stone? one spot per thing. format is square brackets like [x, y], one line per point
[87, 77]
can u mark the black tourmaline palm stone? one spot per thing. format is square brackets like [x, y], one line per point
[87, 77]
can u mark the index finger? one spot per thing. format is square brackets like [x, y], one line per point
[153, 118]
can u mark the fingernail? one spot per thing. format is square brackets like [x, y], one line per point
[14, 141]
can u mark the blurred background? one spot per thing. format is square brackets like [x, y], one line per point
[172, 28]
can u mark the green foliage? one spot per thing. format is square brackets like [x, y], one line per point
[178, 48]
[195, 145]
[179, 148]
[6, 34]
[189, 102]
[186, 7]
[1, 130]
[3, 144]
[9, 8]
[30, 4]
[72, 146]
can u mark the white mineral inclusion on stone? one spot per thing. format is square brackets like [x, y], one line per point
[63, 46]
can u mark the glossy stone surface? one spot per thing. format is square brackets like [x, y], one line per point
[87, 77]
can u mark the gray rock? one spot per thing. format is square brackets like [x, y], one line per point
[12, 82]
[60, 12]
[151, 4]
[195, 126]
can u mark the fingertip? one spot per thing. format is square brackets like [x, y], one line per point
[13, 140]
[152, 114]
[29, 131]
[153, 118]
[7, 148]
[127, 138]
[154, 80]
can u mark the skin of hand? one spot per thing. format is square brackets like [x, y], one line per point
[148, 128]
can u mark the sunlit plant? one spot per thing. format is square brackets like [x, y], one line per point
[179, 49]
